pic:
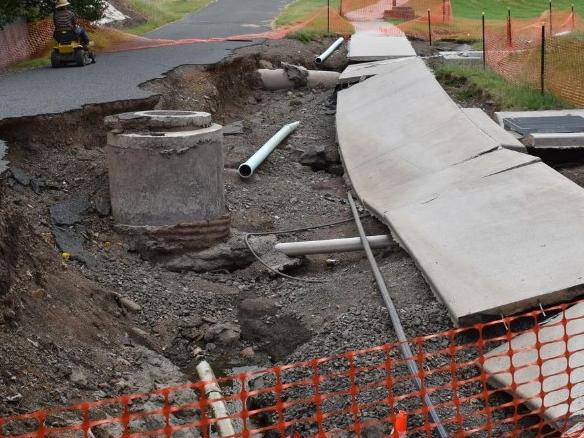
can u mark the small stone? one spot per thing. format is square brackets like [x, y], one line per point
[78, 378]
[247, 353]
[20, 176]
[315, 157]
[139, 332]
[266, 64]
[130, 305]
[9, 314]
[234, 128]
[14, 398]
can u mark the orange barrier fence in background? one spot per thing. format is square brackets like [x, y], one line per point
[483, 380]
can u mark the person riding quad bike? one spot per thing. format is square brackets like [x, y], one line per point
[65, 20]
[73, 45]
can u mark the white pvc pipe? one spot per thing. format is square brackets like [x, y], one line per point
[247, 169]
[213, 393]
[328, 52]
[331, 246]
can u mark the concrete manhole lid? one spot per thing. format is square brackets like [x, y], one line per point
[159, 119]
[554, 124]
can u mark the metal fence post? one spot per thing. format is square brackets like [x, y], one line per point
[429, 27]
[443, 11]
[542, 78]
[328, 16]
[484, 44]
[509, 30]
[551, 25]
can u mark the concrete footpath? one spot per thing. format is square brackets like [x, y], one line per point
[494, 231]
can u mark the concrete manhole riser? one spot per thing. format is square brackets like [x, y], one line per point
[166, 179]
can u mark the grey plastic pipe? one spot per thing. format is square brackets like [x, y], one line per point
[294, 249]
[404, 345]
[328, 52]
[247, 169]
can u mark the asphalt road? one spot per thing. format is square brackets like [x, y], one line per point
[117, 76]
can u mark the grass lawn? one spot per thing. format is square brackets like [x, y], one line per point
[300, 9]
[161, 12]
[505, 95]
[497, 9]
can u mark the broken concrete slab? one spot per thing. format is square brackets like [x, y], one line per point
[70, 211]
[498, 244]
[401, 125]
[467, 57]
[384, 199]
[555, 386]
[370, 46]
[69, 241]
[3, 151]
[502, 137]
[491, 229]
[356, 72]
[501, 116]
[573, 140]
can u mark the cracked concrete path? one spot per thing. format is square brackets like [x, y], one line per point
[117, 76]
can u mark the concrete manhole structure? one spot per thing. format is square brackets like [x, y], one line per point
[166, 179]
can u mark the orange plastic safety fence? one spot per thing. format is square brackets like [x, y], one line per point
[514, 377]
[22, 41]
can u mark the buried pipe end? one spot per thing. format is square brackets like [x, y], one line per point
[318, 61]
[245, 171]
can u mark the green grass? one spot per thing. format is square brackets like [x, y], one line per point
[300, 9]
[505, 95]
[30, 64]
[161, 12]
[497, 9]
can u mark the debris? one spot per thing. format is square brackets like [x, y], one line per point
[331, 262]
[69, 212]
[234, 128]
[315, 157]
[102, 203]
[247, 353]
[78, 378]
[129, 304]
[70, 243]
[14, 398]
[223, 333]
[20, 176]
[266, 64]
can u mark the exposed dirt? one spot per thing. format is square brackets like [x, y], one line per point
[67, 334]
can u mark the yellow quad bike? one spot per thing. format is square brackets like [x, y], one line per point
[68, 50]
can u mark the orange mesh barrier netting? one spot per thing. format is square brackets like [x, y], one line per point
[519, 376]
[24, 40]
